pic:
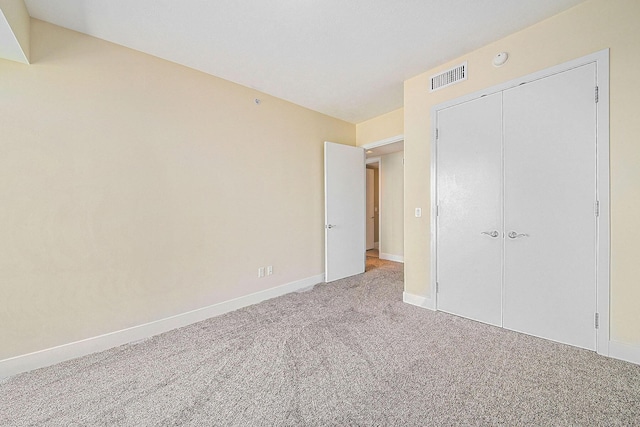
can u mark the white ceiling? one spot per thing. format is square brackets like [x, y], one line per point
[347, 59]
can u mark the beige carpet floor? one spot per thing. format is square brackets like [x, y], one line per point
[348, 353]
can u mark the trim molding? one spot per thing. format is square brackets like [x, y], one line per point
[623, 351]
[391, 257]
[380, 143]
[61, 353]
[418, 301]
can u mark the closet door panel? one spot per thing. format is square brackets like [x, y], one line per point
[469, 191]
[550, 193]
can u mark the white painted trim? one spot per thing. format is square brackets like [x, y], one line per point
[391, 257]
[382, 142]
[51, 356]
[601, 59]
[603, 232]
[623, 351]
[433, 220]
[376, 245]
[418, 301]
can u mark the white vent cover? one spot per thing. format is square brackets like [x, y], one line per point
[448, 77]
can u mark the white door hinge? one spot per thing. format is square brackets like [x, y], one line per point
[437, 287]
[597, 208]
[437, 134]
[597, 320]
[597, 94]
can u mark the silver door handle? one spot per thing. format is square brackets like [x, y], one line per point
[329, 226]
[493, 233]
[514, 235]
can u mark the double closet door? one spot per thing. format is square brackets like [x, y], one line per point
[516, 194]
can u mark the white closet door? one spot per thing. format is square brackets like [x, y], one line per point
[469, 189]
[550, 193]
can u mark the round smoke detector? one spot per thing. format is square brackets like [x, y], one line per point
[500, 59]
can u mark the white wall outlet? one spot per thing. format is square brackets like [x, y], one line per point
[269, 270]
[261, 272]
[418, 212]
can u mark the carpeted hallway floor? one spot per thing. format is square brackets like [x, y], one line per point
[345, 353]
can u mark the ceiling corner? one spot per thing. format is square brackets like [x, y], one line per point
[15, 28]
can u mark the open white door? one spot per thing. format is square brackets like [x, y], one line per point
[344, 210]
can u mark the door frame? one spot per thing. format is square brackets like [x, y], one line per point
[383, 142]
[369, 161]
[603, 260]
[373, 210]
[376, 144]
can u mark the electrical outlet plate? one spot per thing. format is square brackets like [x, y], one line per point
[269, 270]
[261, 272]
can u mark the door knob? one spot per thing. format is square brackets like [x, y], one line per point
[329, 226]
[514, 235]
[493, 233]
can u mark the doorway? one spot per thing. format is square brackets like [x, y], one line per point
[385, 166]
[345, 205]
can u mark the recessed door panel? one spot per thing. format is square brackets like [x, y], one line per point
[550, 193]
[469, 189]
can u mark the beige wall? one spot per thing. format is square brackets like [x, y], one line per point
[391, 204]
[381, 127]
[133, 189]
[587, 28]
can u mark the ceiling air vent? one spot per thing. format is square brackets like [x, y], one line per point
[448, 77]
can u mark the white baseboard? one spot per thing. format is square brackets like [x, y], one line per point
[419, 301]
[51, 356]
[617, 350]
[623, 351]
[391, 257]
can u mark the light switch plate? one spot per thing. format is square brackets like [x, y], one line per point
[418, 212]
